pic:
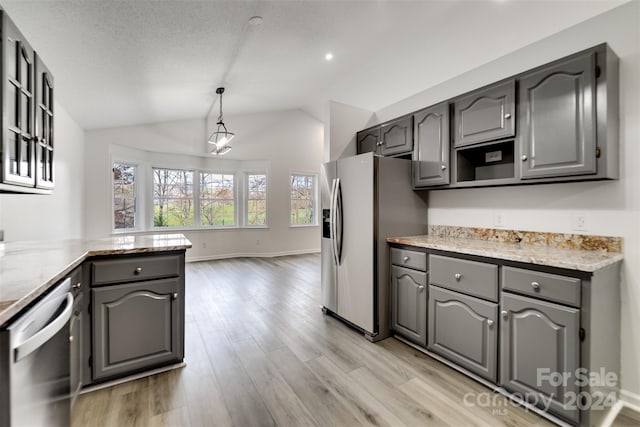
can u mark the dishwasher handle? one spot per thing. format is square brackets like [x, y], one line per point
[28, 346]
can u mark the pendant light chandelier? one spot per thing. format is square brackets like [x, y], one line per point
[221, 137]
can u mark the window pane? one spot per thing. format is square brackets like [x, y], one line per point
[302, 199]
[124, 196]
[217, 199]
[256, 199]
[173, 200]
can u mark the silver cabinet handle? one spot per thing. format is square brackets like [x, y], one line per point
[444, 167]
[77, 285]
[380, 143]
[490, 322]
[405, 259]
[138, 270]
[70, 338]
[535, 286]
[420, 288]
[507, 116]
[505, 314]
[524, 157]
[458, 276]
[175, 295]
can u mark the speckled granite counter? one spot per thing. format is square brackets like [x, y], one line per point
[28, 269]
[573, 259]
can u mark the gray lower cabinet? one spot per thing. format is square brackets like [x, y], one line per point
[558, 119]
[537, 338]
[464, 329]
[431, 146]
[409, 304]
[76, 346]
[485, 115]
[136, 326]
[396, 137]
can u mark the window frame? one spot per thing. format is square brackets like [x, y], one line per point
[197, 195]
[245, 202]
[151, 210]
[314, 207]
[137, 218]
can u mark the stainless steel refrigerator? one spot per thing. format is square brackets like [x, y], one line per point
[365, 199]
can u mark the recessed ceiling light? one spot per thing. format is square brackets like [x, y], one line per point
[255, 20]
[328, 56]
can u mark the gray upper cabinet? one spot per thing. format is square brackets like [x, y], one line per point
[409, 304]
[136, 326]
[18, 97]
[558, 119]
[431, 146]
[44, 137]
[485, 115]
[396, 137]
[368, 140]
[464, 330]
[538, 335]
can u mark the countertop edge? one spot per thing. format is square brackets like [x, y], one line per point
[528, 259]
[7, 313]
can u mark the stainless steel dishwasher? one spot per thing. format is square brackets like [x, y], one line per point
[34, 363]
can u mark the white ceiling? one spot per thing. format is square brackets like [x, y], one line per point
[129, 62]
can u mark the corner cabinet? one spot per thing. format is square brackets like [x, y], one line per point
[27, 116]
[394, 138]
[431, 148]
[137, 314]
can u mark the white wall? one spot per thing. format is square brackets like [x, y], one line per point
[55, 216]
[344, 122]
[285, 142]
[611, 208]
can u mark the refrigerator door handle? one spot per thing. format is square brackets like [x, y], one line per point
[339, 220]
[332, 220]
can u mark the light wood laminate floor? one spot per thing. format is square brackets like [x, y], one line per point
[259, 351]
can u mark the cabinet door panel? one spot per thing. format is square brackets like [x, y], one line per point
[485, 115]
[538, 336]
[367, 141]
[18, 162]
[409, 304]
[464, 330]
[431, 150]
[397, 137]
[558, 120]
[135, 326]
[44, 140]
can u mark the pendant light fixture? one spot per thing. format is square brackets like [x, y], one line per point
[221, 137]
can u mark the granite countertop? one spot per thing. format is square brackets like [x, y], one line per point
[573, 259]
[28, 269]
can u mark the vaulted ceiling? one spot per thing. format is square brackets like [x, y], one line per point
[129, 62]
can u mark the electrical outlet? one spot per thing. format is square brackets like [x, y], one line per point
[498, 220]
[579, 221]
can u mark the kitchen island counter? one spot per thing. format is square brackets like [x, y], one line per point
[29, 269]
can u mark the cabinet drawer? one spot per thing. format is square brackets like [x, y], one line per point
[469, 277]
[407, 258]
[562, 289]
[464, 329]
[134, 269]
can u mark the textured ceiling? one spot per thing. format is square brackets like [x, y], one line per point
[128, 62]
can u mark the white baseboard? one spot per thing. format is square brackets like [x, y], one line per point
[252, 255]
[630, 399]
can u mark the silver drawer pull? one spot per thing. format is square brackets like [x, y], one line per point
[535, 286]
[175, 295]
[524, 158]
[490, 323]
[70, 338]
[444, 167]
[405, 259]
[505, 314]
[77, 285]
[138, 270]
[507, 116]
[420, 288]
[458, 276]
